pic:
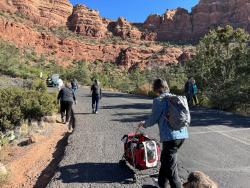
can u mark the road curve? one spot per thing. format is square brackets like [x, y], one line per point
[219, 145]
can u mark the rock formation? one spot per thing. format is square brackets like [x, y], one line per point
[25, 37]
[125, 30]
[87, 22]
[44, 12]
[176, 25]
[212, 13]
[179, 25]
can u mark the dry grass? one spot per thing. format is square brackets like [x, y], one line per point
[3, 179]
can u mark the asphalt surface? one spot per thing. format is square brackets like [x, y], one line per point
[219, 145]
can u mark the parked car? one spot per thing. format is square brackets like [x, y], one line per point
[52, 81]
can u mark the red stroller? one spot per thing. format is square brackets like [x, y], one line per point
[141, 153]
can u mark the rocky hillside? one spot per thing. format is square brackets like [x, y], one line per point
[179, 25]
[65, 33]
[45, 12]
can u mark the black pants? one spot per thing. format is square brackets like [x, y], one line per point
[66, 106]
[195, 99]
[189, 99]
[169, 170]
[95, 102]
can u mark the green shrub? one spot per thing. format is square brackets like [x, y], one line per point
[19, 104]
[78, 71]
[221, 68]
[39, 85]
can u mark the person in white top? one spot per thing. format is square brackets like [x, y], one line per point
[60, 84]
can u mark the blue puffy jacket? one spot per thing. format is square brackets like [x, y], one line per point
[159, 111]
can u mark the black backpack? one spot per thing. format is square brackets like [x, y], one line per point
[95, 89]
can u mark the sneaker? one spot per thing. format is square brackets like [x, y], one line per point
[96, 112]
[155, 180]
[93, 111]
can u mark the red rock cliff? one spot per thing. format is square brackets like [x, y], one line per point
[87, 22]
[179, 25]
[44, 12]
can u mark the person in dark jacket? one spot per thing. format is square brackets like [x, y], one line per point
[189, 91]
[96, 96]
[74, 85]
[66, 97]
[171, 139]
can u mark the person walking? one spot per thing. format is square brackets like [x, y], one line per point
[195, 92]
[189, 91]
[96, 96]
[66, 97]
[60, 84]
[74, 85]
[171, 139]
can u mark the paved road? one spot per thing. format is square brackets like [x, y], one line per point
[219, 145]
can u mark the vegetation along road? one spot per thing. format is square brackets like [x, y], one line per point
[219, 145]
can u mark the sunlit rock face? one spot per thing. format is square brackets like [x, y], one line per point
[44, 12]
[179, 25]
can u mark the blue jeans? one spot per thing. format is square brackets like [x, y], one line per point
[95, 102]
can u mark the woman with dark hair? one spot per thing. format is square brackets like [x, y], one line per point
[171, 139]
[96, 96]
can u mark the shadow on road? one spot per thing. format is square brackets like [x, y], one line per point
[88, 113]
[139, 106]
[132, 118]
[96, 173]
[208, 117]
[200, 116]
[148, 186]
[124, 95]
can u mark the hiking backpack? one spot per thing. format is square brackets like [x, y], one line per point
[178, 114]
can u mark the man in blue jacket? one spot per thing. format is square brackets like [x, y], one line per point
[171, 139]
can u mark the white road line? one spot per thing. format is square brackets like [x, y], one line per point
[236, 169]
[231, 137]
[215, 131]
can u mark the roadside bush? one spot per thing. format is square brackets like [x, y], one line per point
[221, 68]
[144, 89]
[79, 71]
[20, 104]
[39, 85]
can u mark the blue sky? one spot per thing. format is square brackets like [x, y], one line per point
[134, 10]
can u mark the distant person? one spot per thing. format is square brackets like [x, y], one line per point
[66, 97]
[195, 91]
[189, 91]
[60, 84]
[96, 96]
[171, 139]
[74, 85]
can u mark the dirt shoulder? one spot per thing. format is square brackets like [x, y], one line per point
[26, 165]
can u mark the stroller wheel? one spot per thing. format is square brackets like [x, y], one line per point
[122, 163]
